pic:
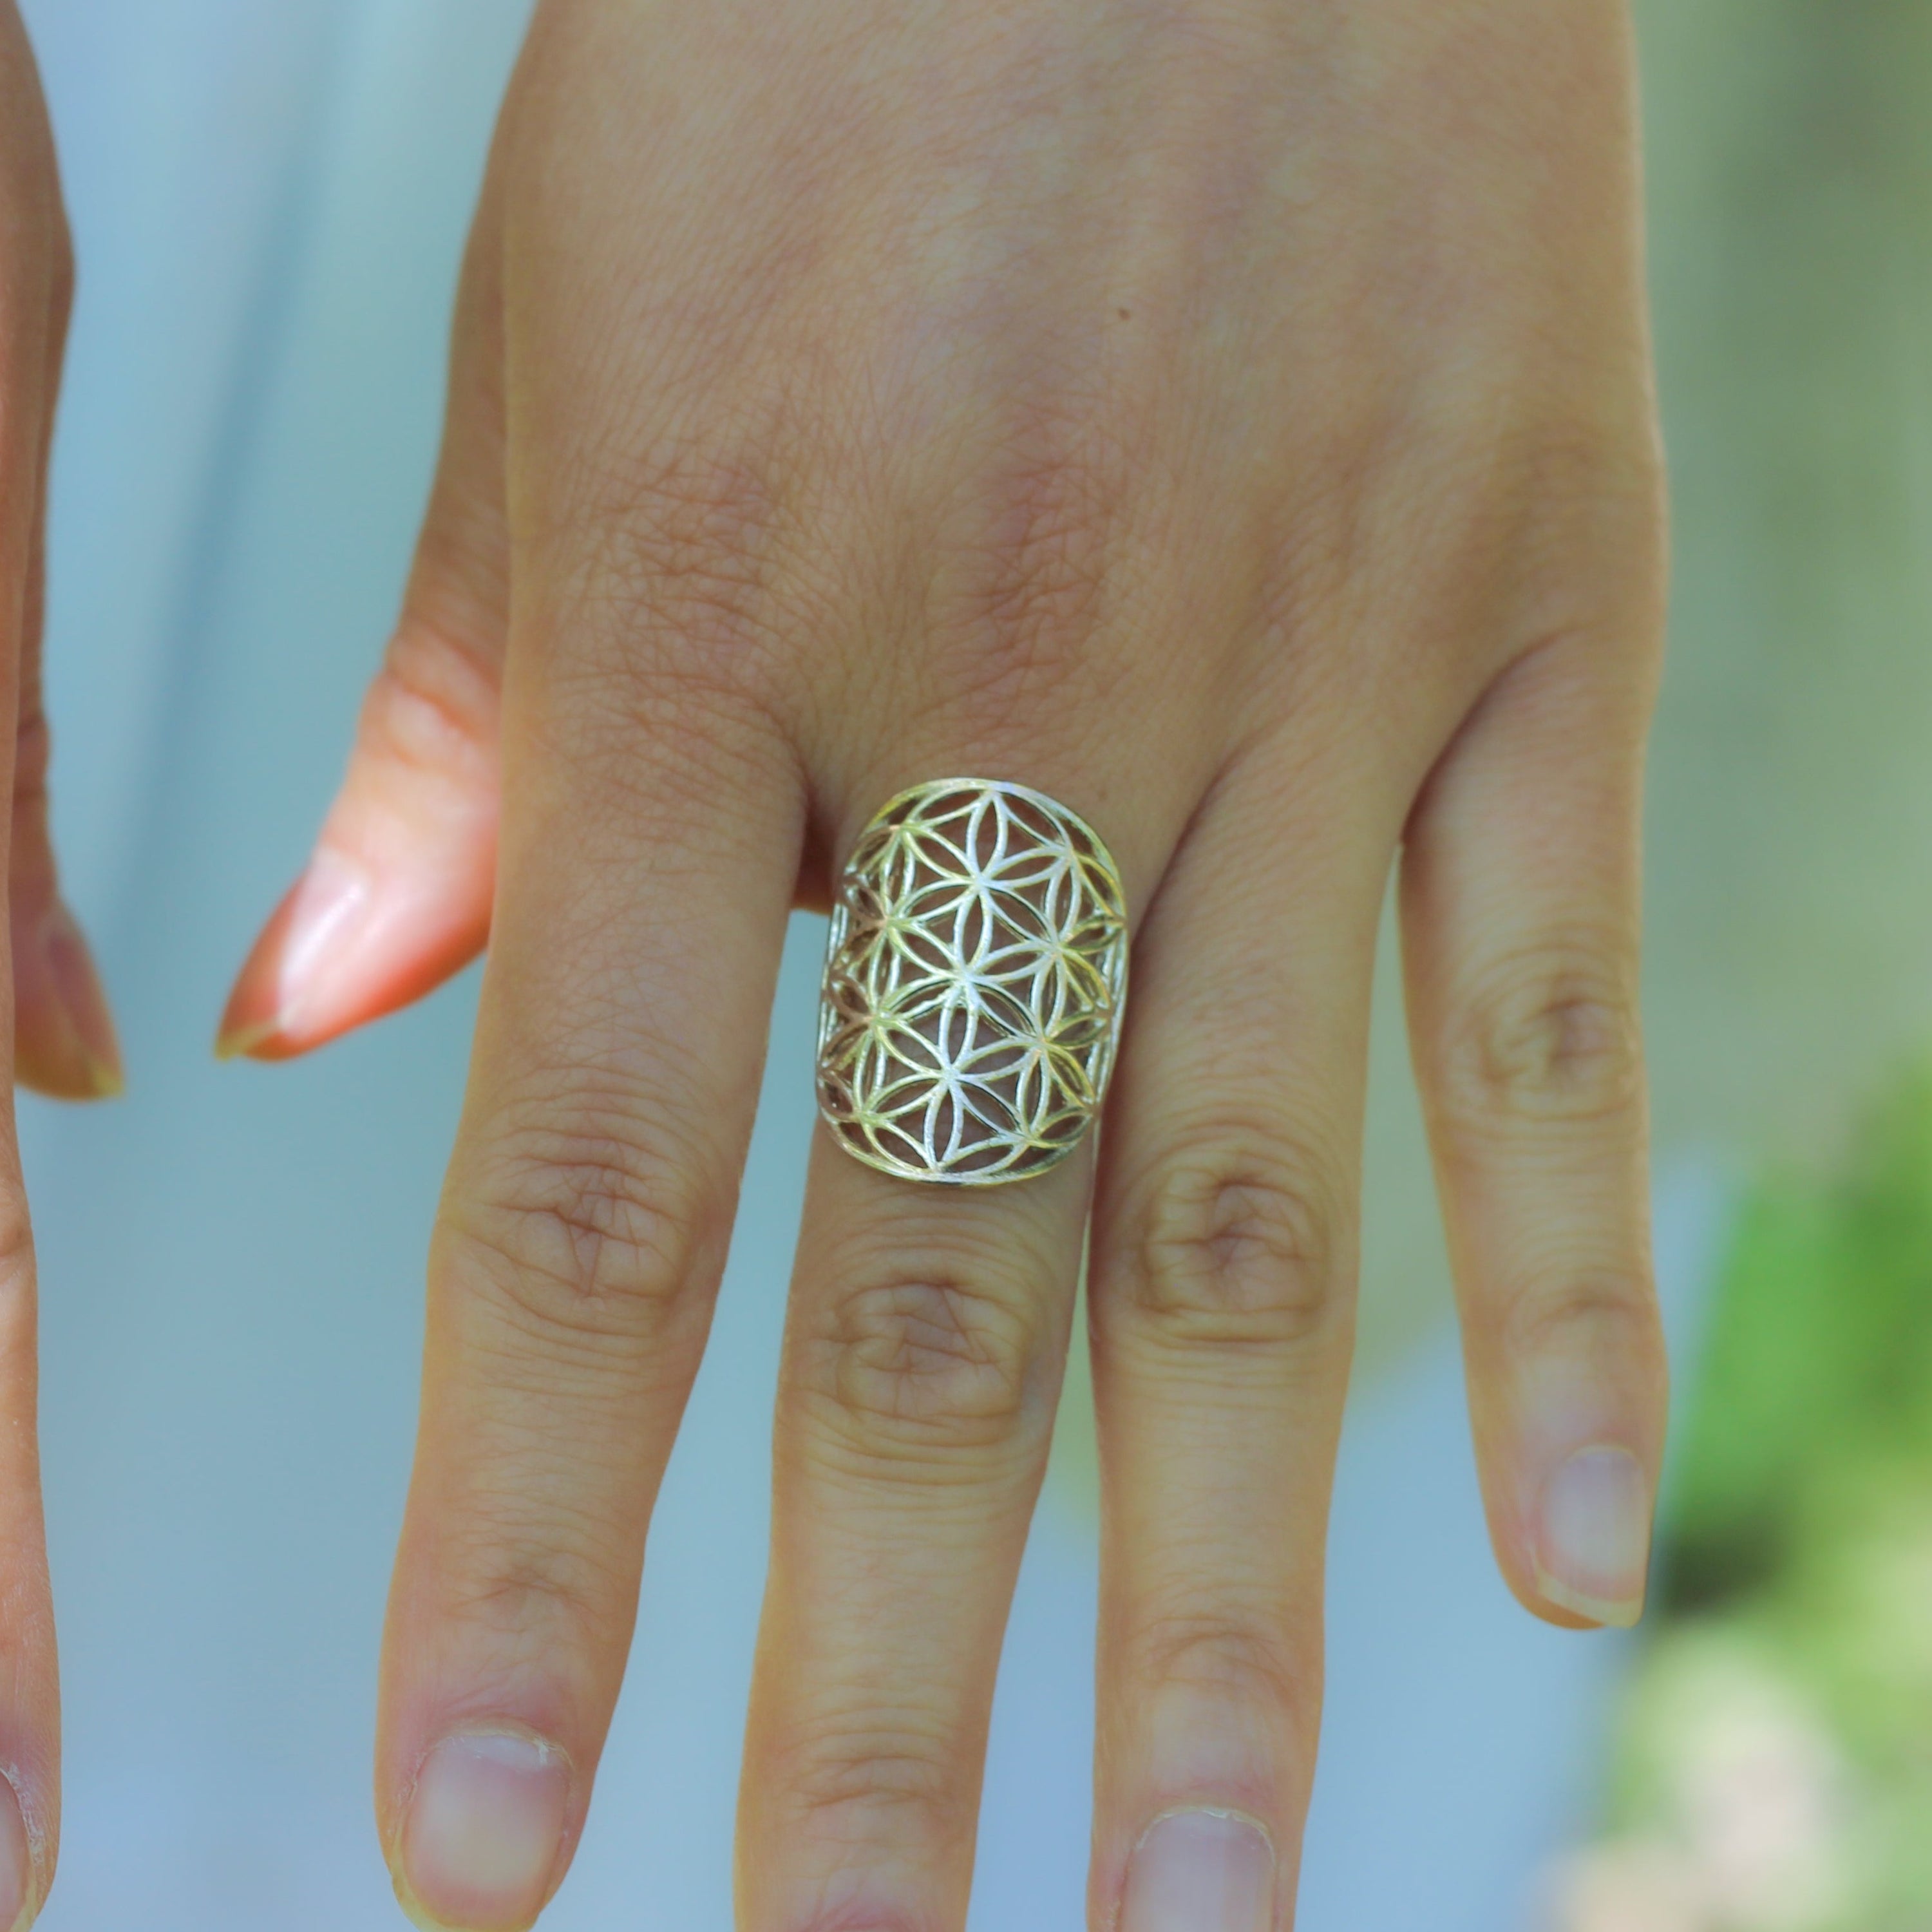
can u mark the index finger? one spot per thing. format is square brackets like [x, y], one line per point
[650, 843]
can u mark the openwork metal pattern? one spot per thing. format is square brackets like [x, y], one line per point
[974, 984]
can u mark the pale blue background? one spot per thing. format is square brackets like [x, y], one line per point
[269, 197]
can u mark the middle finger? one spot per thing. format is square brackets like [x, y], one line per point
[922, 1365]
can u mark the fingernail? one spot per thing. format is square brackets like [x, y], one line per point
[1200, 1871]
[484, 1828]
[318, 921]
[1594, 1548]
[70, 967]
[17, 1909]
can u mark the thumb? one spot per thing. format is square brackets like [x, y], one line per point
[396, 896]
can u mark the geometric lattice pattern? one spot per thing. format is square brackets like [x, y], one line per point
[974, 984]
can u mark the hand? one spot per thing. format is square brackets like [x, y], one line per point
[1232, 417]
[63, 1038]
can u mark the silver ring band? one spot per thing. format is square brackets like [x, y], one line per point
[975, 981]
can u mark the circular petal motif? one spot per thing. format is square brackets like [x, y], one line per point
[974, 983]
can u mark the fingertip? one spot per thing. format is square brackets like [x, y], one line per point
[348, 944]
[20, 1893]
[241, 1039]
[85, 1000]
[1593, 1536]
[65, 1044]
[484, 1832]
[254, 1023]
[1578, 1555]
[1571, 1609]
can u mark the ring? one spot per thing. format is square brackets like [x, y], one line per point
[975, 980]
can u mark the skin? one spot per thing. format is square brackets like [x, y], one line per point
[62, 1041]
[1233, 417]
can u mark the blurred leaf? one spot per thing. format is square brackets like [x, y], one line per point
[1820, 1355]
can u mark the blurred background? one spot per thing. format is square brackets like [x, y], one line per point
[269, 202]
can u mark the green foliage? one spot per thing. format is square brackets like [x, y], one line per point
[1773, 1768]
[1819, 1360]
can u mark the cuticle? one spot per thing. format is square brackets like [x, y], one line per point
[500, 1727]
[1231, 1812]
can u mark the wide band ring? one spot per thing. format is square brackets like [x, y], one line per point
[974, 984]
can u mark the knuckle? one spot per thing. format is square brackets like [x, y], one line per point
[934, 1361]
[62, 265]
[33, 757]
[1550, 1036]
[1028, 587]
[591, 1230]
[689, 586]
[1610, 457]
[537, 1577]
[1598, 1316]
[1235, 1244]
[698, 534]
[35, 240]
[859, 1765]
[16, 1239]
[1241, 1661]
[1597, 542]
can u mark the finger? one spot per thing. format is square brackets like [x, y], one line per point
[64, 1039]
[645, 881]
[922, 1365]
[29, 1687]
[1221, 1302]
[1520, 917]
[396, 897]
